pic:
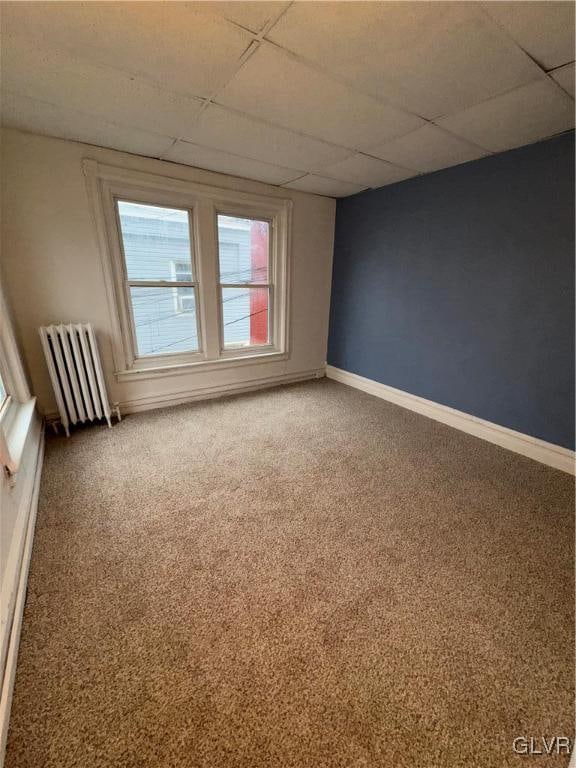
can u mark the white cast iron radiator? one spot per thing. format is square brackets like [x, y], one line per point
[76, 373]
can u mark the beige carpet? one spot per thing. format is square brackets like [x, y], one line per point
[305, 577]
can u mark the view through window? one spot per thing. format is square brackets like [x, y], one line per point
[244, 256]
[158, 257]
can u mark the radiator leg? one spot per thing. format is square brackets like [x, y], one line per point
[54, 426]
[109, 420]
[118, 414]
[67, 428]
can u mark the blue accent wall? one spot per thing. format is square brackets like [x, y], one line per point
[458, 286]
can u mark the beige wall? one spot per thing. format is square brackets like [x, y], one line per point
[53, 271]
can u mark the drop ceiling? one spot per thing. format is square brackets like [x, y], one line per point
[324, 97]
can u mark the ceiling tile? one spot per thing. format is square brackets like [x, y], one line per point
[319, 185]
[429, 58]
[368, 171]
[168, 43]
[274, 86]
[49, 120]
[250, 15]
[222, 162]
[544, 29]
[523, 116]
[116, 97]
[428, 149]
[564, 76]
[232, 132]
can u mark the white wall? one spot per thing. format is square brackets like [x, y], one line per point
[53, 273]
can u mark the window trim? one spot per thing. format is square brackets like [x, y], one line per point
[18, 407]
[108, 183]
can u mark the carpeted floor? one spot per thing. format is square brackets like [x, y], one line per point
[305, 577]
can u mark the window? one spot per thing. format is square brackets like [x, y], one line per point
[244, 256]
[195, 275]
[2, 392]
[152, 238]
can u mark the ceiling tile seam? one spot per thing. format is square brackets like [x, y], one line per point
[222, 173]
[101, 119]
[506, 33]
[348, 148]
[135, 76]
[543, 78]
[235, 24]
[550, 75]
[380, 160]
[303, 134]
[300, 171]
[243, 157]
[326, 175]
[442, 128]
[363, 187]
[461, 138]
[162, 155]
[273, 21]
[183, 138]
[570, 96]
[250, 50]
[243, 58]
[266, 27]
[174, 143]
[204, 102]
[553, 69]
[291, 181]
[560, 66]
[84, 141]
[391, 103]
[340, 80]
[278, 126]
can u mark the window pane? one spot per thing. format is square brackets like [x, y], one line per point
[164, 320]
[156, 242]
[2, 391]
[245, 316]
[243, 247]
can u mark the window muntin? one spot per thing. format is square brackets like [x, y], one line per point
[162, 292]
[245, 289]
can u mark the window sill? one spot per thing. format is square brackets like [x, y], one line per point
[15, 423]
[201, 366]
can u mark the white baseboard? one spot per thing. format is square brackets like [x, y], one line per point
[31, 504]
[219, 390]
[137, 405]
[532, 447]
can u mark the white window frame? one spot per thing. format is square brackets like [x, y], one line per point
[17, 407]
[106, 184]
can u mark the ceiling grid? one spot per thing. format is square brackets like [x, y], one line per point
[326, 97]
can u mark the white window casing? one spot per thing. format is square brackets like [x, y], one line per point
[17, 406]
[106, 186]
